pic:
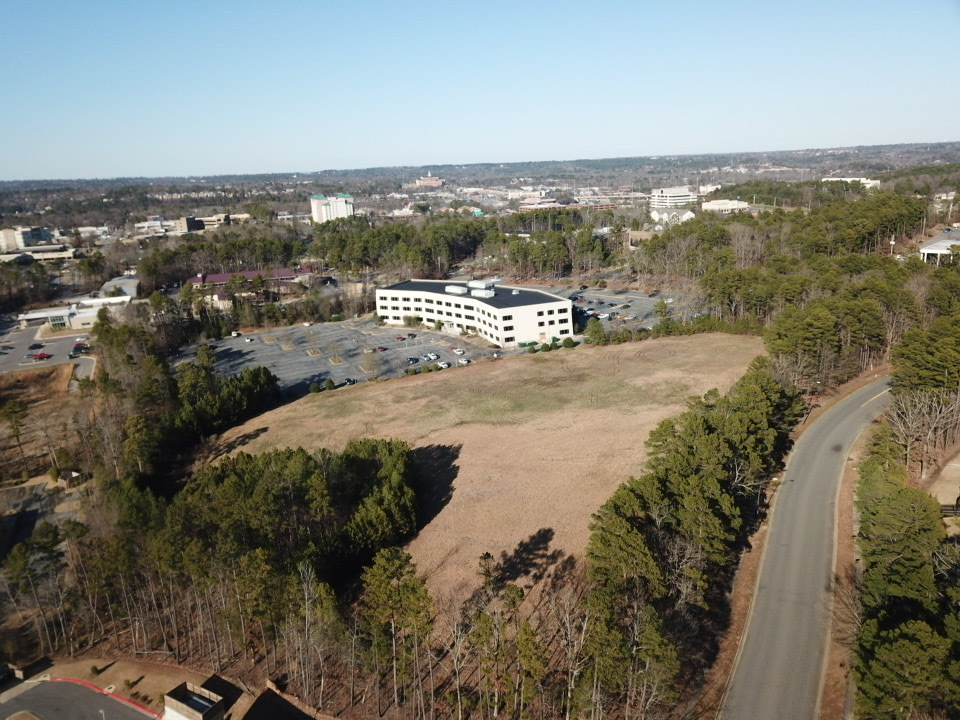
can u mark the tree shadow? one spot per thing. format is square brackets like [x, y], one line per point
[434, 470]
[531, 557]
[239, 441]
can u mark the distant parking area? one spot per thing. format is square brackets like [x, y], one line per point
[20, 349]
[625, 308]
[342, 352]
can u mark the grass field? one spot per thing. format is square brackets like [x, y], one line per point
[530, 446]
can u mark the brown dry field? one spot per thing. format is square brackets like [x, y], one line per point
[540, 441]
[45, 392]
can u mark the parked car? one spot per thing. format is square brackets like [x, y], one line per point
[412, 360]
[458, 351]
[248, 339]
[443, 365]
[28, 356]
[411, 335]
[603, 316]
[35, 346]
[42, 356]
[234, 334]
[426, 358]
[463, 361]
[350, 381]
[401, 338]
[381, 349]
[630, 317]
[433, 356]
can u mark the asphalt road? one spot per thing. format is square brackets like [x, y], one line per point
[779, 666]
[67, 701]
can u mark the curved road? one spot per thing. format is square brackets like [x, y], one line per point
[779, 666]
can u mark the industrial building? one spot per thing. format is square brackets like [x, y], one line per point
[505, 316]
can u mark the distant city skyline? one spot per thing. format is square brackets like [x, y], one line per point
[110, 89]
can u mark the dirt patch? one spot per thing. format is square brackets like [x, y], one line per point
[536, 442]
[50, 409]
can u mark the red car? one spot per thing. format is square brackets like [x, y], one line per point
[42, 356]
[381, 349]
[400, 338]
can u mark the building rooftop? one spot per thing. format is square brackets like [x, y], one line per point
[504, 295]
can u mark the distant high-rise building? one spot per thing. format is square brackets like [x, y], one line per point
[325, 208]
[21, 236]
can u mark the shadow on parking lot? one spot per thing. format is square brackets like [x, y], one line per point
[435, 470]
[302, 386]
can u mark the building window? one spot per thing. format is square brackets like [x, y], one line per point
[508, 317]
[456, 305]
[549, 312]
[428, 300]
[540, 323]
[564, 332]
[561, 311]
[507, 328]
[457, 315]
[539, 313]
[509, 339]
[551, 322]
[406, 308]
[469, 317]
[563, 321]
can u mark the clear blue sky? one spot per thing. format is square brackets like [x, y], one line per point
[104, 88]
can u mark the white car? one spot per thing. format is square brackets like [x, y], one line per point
[458, 351]
[603, 316]
[248, 339]
[630, 317]
[433, 356]
[463, 361]
[443, 365]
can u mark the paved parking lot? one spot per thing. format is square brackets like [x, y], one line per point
[300, 355]
[632, 309]
[65, 701]
[15, 344]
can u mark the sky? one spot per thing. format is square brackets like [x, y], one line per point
[111, 88]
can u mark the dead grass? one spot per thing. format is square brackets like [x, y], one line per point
[539, 441]
[46, 393]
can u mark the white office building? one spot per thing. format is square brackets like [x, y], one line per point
[673, 197]
[725, 207]
[505, 316]
[324, 208]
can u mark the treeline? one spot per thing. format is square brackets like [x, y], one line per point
[213, 574]
[559, 242]
[908, 619]
[709, 245]
[144, 416]
[225, 251]
[664, 547]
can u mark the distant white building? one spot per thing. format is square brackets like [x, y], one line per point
[505, 316]
[324, 208]
[867, 183]
[673, 197]
[725, 207]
